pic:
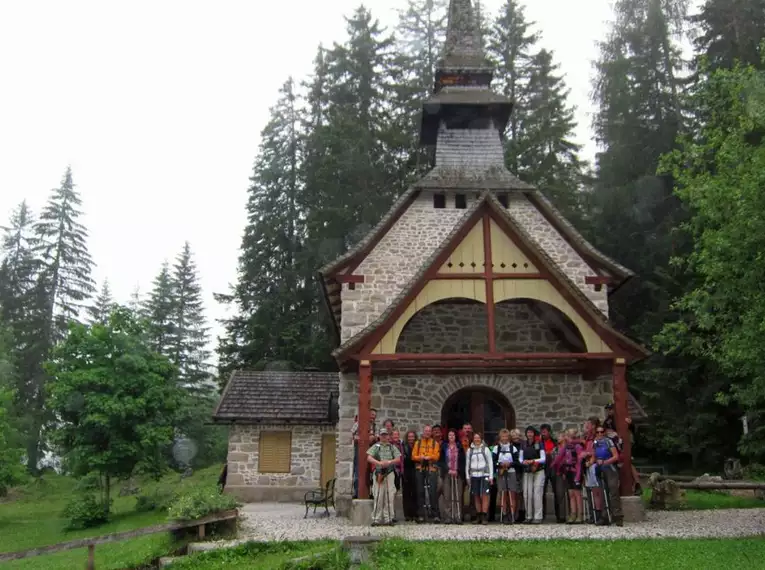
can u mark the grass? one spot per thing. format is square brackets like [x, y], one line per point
[34, 518]
[267, 556]
[709, 500]
[397, 554]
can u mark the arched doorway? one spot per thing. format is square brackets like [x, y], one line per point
[487, 410]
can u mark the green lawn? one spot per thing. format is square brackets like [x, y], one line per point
[34, 518]
[399, 554]
[706, 500]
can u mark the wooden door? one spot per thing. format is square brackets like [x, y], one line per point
[328, 446]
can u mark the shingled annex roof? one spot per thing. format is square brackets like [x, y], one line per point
[277, 397]
[419, 279]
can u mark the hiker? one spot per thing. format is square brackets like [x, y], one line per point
[507, 482]
[480, 473]
[609, 423]
[570, 467]
[395, 440]
[383, 456]
[465, 437]
[425, 455]
[533, 460]
[558, 479]
[453, 458]
[549, 445]
[605, 458]
[516, 438]
[408, 478]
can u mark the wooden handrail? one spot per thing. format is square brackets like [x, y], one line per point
[118, 536]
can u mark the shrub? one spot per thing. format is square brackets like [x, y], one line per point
[159, 500]
[86, 511]
[754, 472]
[90, 482]
[200, 502]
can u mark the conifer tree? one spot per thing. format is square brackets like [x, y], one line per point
[66, 263]
[730, 31]
[103, 305]
[187, 344]
[18, 270]
[158, 310]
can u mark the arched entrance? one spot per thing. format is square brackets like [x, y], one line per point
[487, 410]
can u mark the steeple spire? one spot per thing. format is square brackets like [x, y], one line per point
[463, 48]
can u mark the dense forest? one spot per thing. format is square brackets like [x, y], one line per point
[659, 196]
[675, 194]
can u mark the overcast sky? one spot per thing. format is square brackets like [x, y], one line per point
[158, 104]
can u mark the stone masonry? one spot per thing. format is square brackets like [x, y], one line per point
[460, 328]
[416, 235]
[248, 484]
[563, 400]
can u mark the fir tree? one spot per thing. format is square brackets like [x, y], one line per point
[730, 31]
[18, 270]
[188, 341]
[103, 306]
[158, 310]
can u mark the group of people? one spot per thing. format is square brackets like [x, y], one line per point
[457, 476]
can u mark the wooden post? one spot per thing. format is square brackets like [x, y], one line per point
[621, 412]
[201, 531]
[365, 404]
[91, 565]
[489, 272]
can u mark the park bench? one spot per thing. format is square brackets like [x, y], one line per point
[321, 498]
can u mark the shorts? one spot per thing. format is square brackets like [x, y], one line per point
[479, 486]
[509, 482]
[570, 483]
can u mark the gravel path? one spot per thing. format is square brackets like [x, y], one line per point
[274, 521]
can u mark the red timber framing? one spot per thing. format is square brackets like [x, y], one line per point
[485, 214]
[365, 406]
[621, 411]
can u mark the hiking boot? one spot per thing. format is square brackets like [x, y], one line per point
[539, 521]
[484, 519]
[420, 520]
[436, 520]
[619, 522]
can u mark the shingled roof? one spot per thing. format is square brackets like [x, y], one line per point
[278, 397]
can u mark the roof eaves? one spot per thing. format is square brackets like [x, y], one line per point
[224, 394]
[575, 236]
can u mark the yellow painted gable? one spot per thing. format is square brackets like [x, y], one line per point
[506, 256]
[467, 257]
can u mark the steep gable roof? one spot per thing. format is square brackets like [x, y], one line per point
[576, 297]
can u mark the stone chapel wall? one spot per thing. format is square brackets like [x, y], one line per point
[562, 400]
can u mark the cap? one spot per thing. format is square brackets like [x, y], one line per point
[383, 431]
[609, 406]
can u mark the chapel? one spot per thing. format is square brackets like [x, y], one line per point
[473, 299]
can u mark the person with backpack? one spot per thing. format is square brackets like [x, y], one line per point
[453, 461]
[507, 482]
[425, 455]
[479, 470]
[533, 459]
[516, 438]
[383, 456]
[568, 466]
[557, 480]
[605, 457]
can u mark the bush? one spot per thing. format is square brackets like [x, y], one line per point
[200, 502]
[159, 500]
[754, 472]
[86, 511]
[90, 482]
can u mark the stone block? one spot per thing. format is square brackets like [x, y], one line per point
[361, 512]
[398, 506]
[633, 509]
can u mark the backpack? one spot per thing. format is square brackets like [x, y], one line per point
[470, 457]
[569, 457]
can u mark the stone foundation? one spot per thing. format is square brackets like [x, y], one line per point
[562, 400]
[249, 485]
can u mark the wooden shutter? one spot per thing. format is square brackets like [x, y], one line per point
[275, 453]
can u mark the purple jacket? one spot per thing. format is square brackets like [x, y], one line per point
[561, 467]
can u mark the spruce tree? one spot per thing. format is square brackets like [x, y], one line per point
[103, 305]
[19, 267]
[187, 345]
[730, 31]
[66, 263]
[158, 310]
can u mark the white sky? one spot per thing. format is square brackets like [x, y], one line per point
[158, 105]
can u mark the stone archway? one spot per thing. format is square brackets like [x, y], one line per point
[485, 408]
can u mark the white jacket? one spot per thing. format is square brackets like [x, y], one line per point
[478, 462]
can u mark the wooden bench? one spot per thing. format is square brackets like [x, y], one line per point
[321, 497]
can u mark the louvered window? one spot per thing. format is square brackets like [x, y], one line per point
[275, 452]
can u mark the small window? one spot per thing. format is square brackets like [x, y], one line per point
[460, 201]
[275, 452]
[439, 200]
[503, 199]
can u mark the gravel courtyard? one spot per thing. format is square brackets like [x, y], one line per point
[280, 521]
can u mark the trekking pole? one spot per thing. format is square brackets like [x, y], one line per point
[387, 498]
[502, 501]
[426, 486]
[606, 498]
